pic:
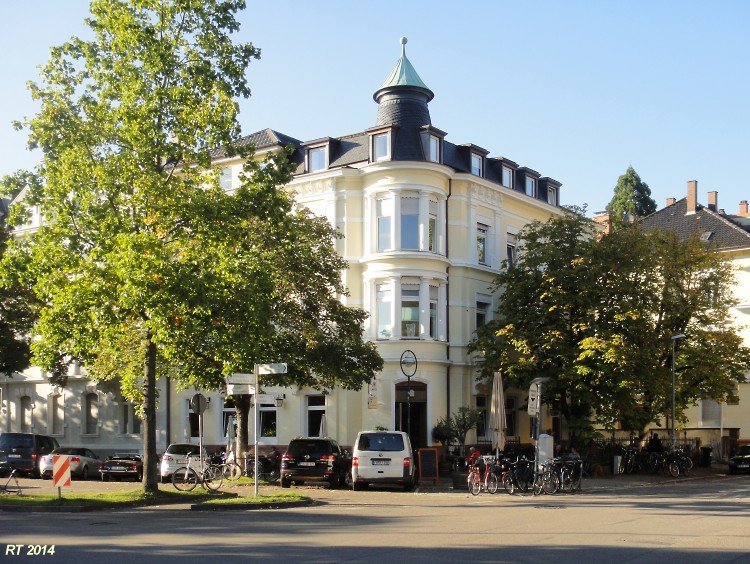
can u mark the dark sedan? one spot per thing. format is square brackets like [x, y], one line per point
[740, 462]
[122, 467]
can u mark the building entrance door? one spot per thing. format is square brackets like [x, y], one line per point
[411, 413]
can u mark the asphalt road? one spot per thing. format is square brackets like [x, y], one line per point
[703, 520]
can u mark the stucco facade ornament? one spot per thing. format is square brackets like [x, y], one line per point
[316, 187]
[485, 195]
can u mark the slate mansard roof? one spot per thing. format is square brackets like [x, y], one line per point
[403, 106]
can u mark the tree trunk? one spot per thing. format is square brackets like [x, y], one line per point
[150, 482]
[242, 407]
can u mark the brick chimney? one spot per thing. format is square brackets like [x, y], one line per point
[692, 196]
[713, 201]
[743, 209]
[670, 202]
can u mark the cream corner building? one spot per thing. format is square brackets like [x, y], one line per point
[427, 225]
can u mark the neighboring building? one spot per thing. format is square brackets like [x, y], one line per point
[427, 225]
[717, 425]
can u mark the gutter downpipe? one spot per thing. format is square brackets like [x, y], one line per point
[447, 309]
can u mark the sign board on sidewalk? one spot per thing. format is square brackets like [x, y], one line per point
[60, 470]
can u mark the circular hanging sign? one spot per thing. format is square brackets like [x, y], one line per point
[408, 363]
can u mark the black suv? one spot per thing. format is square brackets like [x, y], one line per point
[24, 452]
[315, 459]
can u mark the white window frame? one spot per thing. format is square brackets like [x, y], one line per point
[511, 250]
[309, 408]
[483, 311]
[434, 148]
[530, 186]
[552, 196]
[409, 218]
[376, 152]
[477, 165]
[507, 177]
[312, 164]
[482, 242]
[226, 179]
[268, 408]
[384, 304]
[384, 212]
[410, 327]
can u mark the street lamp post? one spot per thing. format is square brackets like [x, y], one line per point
[408, 368]
[674, 341]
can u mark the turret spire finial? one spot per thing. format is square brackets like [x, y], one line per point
[404, 41]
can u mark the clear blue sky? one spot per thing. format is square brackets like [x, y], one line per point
[577, 90]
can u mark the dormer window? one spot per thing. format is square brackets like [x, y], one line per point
[434, 148]
[381, 147]
[507, 177]
[317, 159]
[552, 196]
[530, 186]
[476, 165]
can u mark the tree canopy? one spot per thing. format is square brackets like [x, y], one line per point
[18, 311]
[631, 198]
[145, 266]
[597, 315]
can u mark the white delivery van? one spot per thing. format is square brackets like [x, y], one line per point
[382, 457]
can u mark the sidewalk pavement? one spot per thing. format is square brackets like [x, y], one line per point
[600, 483]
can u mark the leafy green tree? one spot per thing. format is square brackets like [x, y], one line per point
[146, 267]
[632, 197]
[596, 315]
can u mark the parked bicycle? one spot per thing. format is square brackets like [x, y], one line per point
[269, 468]
[207, 474]
[478, 480]
[7, 488]
[230, 470]
[546, 479]
[631, 461]
[518, 474]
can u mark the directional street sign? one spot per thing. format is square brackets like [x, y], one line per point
[264, 398]
[276, 368]
[240, 378]
[240, 389]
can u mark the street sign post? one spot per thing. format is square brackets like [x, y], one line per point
[258, 369]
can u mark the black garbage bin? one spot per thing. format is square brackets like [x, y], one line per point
[706, 456]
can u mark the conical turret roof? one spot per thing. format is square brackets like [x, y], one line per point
[403, 75]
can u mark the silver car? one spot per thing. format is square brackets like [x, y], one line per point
[84, 462]
[176, 457]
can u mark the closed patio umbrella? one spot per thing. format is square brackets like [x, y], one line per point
[497, 414]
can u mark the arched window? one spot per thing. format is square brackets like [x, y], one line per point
[91, 406]
[56, 414]
[25, 414]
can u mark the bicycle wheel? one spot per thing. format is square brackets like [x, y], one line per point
[550, 482]
[630, 465]
[490, 482]
[474, 484]
[212, 477]
[566, 480]
[231, 471]
[688, 463]
[537, 487]
[674, 469]
[185, 479]
[509, 483]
